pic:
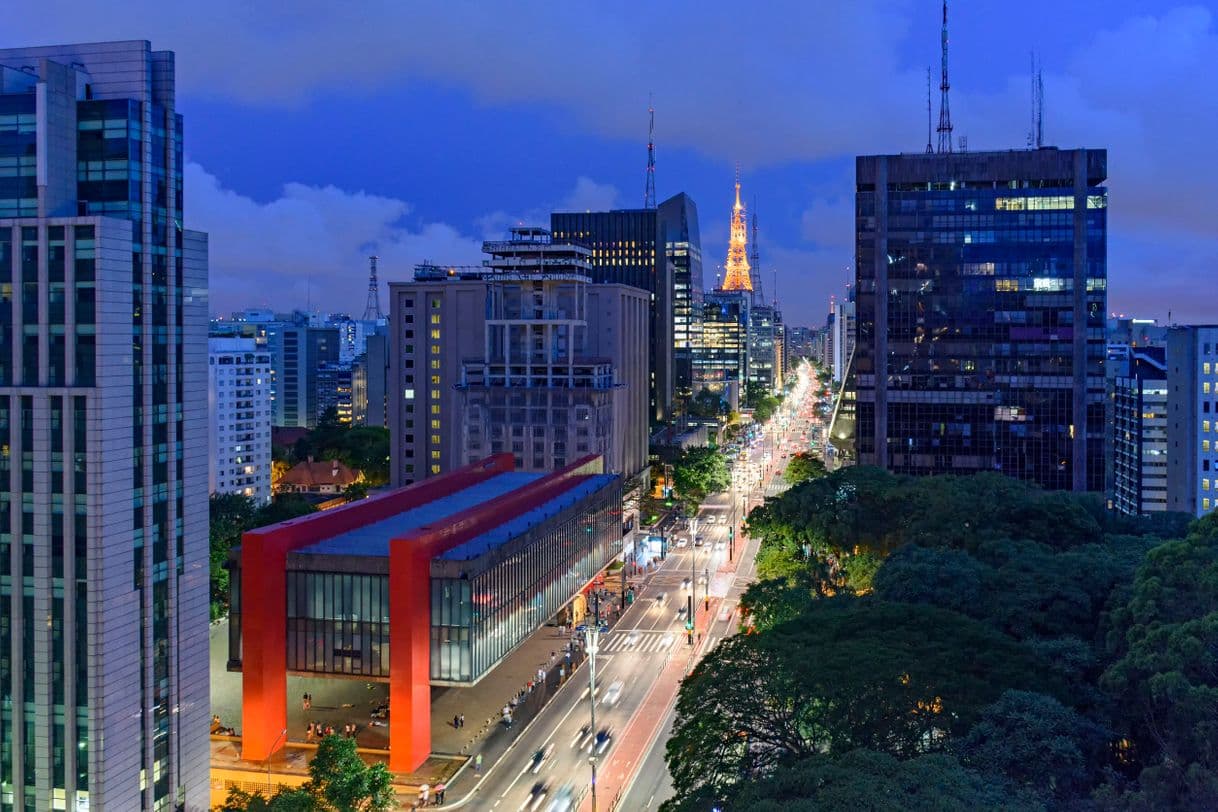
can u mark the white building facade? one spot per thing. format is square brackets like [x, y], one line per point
[239, 401]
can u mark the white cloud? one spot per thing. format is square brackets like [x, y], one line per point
[588, 195]
[311, 244]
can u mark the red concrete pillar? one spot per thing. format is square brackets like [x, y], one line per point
[409, 653]
[264, 680]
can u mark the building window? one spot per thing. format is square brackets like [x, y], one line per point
[435, 425]
[435, 469]
[435, 455]
[435, 318]
[435, 363]
[435, 334]
[435, 380]
[408, 394]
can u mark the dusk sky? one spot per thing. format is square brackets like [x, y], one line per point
[320, 132]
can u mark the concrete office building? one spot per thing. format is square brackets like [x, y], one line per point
[629, 247]
[844, 328]
[1139, 433]
[765, 347]
[103, 412]
[683, 247]
[369, 381]
[334, 390]
[522, 355]
[1192, 419]
[239, 405]
[721, 362]
[298, 353]
[980, 299]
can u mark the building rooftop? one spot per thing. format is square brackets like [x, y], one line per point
[312, 474]
[373, 539]
[480, 545]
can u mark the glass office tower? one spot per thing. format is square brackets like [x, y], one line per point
[980, 314]
[103, 426]
[683, 245]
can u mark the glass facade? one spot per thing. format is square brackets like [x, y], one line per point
[483, 608]
[722, 357]
[981, 294]
[683, 246]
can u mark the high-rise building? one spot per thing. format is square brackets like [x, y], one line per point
[239, 404]
[523, 355]
[683, 246]
[104, 697]
[765, 347]
[298, 354]
[843, 339]
[629, 247]
[1192, 419]
[1139, 433]
[369, 381]
[980, 299]
[721, 362]
[333, 390]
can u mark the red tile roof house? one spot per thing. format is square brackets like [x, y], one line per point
[326, 476]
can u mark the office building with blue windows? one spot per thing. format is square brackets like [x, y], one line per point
[980, 294]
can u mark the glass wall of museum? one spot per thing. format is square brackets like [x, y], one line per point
[478, 619]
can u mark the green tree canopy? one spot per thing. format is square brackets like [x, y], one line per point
[845, 674]
[867, 780]
[229, 516]
[700, 471]
[339, 781]
[803, 467]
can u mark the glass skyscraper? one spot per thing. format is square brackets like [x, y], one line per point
[981, 292]
[683, 246]
[103, 438]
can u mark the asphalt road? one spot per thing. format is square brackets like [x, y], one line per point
[548, 762]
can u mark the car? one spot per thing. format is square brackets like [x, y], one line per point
[540, 757]
[685, 585]
[562, 800]
[632, 638]
[725, 612]
[661, 599]
[681, 612]
[682, 542]
[720, 546]
[666, 641]
[698, 541]
[613, 693]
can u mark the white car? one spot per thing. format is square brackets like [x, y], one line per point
[613, 693]
[632, 639]
[685, 585]
[720, 546]
[666, 641]
[682, 541]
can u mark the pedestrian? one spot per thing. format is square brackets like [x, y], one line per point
[309, 732]
[461, 720]
[456, 721]
[478, 764]
[424, 794]
[304, 702]
[440, 788]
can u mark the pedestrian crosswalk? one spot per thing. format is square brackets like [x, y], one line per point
[641, 641]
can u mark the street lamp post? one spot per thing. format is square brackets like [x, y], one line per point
[593, 646]
[271, 755]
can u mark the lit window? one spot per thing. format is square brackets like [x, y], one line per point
[435, 469]
[1205, 425]
[1205, 503]
[435, 304]
[435, 424]
[435, 318]
[435, 455]
[435, 394]
[435, 363]
[435, 349]
[435, 334]
[1205, 445]
[408, 394]
[1205, 484]
[1206, 367]
[435, 408]
[435, 439]
[435, 380]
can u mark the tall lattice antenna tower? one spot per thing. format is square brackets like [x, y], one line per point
[755, 259]
[930, 127]
[945, 112]
[649, 190]
[1040, 108]
[372, 310]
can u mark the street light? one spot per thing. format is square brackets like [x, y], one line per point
[593, 646]
[271, 755]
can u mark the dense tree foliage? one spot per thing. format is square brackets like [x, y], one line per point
[706, 405]
[700, 471]
[803, 467]
[365, 448]
[339, 781]
[915, 642]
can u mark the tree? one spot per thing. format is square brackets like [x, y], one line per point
[706, 405]
[700, 471]
[865, 779]
[773, 602]
[1037, 743]
[340, 780]
[847, 673]
[804, 467]
[229, 515]
[285, 799]
[282, 508]
[1164, 645]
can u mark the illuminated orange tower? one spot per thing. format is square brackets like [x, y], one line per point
[736, 274]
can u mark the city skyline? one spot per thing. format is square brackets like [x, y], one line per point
[389, 149]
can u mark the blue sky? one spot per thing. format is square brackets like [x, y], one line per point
[319, 132]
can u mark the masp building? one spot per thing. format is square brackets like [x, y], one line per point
[434, 583]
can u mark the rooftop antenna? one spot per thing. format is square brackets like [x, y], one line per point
[755, 259]
[775, 272]
[372, 310]
[930, 148]
[1040, 108]
[945, 113]
[649, 190]
[1032, 129]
